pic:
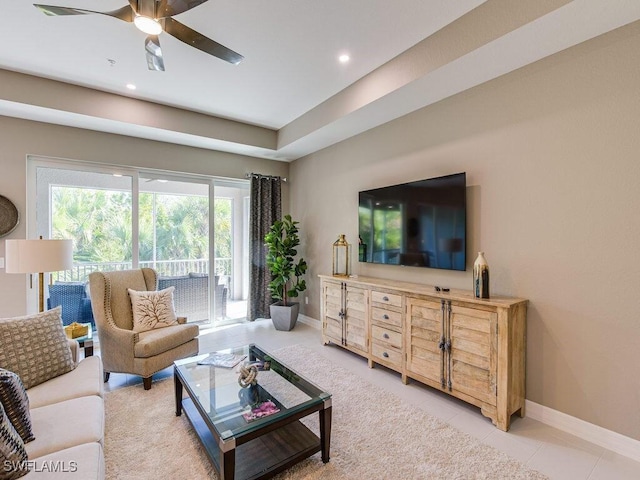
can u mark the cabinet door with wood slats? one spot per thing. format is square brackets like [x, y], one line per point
[473, 353]
[332, 323]
[423, 331]
[356, 318]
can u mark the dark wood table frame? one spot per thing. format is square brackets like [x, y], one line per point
[261, 453]
[86, 341]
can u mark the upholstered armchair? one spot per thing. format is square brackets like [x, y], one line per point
[124, 350]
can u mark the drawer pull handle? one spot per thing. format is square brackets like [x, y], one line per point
[385, 316]
[385, 298]
[385, 335]
[385, 355]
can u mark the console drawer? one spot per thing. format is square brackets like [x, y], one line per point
[387, 354]
[383, 336]
[392, 299]
[386, 316]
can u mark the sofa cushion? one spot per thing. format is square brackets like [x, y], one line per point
[66, 424]
[152, 309]
[85, 380]
[15, 402]
[13, 456]
[155, 342]
[35, 347]
[82, 462]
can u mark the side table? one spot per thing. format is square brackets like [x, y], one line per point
[86, 341]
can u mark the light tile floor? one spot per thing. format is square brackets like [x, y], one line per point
[555, 453]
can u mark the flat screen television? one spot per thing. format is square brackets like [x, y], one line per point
[419, 224]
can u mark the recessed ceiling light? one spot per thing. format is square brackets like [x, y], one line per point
[344, 58]
[131, 86]
[162, 180]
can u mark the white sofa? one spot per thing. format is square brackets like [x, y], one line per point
[67, 416]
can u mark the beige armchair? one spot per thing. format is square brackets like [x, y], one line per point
[123, 350]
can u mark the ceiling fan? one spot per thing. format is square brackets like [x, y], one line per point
[154, 17]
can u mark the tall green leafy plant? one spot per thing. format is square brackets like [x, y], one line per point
[286, 272]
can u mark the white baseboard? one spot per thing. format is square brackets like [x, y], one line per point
[602, 437]
[309, 321]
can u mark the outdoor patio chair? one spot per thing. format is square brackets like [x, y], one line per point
[191, 296]
[123, 350]
[72, 296]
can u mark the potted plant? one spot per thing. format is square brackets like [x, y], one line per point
[286, 272]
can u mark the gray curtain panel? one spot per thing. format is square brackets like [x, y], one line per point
[265, 209]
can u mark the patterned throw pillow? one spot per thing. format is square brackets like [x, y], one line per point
[35, 347]
[15, 401]
[152, 309]
[13, 456]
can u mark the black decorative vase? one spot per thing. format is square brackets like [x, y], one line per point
[481, 277]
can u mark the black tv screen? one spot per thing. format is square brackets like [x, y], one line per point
[419, 224]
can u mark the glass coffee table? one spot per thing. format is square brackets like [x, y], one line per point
[251, 432]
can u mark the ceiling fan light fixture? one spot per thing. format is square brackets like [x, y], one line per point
[154, 17]
[147, 25]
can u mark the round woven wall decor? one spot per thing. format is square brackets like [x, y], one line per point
[9, 216]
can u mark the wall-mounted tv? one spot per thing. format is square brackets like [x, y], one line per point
[419, 224]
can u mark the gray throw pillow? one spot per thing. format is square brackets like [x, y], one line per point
[15, 401]
[35, 347]
[13, 456]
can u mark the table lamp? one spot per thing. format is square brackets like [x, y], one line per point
[38, 256]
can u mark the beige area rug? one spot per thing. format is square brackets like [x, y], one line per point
[375, 435]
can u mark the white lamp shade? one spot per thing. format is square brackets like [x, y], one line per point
[35, 256]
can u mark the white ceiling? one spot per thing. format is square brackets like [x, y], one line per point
[290, 81]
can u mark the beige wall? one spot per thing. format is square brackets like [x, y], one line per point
[552, 155]
[19, 138]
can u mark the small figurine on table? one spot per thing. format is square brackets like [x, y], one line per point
[248, 380]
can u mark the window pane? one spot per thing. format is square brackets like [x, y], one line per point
[174, 240]
[95, 211]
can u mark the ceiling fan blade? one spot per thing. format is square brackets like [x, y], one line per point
[125, 13]
[168, 8]
[154, 53]
[199, 41]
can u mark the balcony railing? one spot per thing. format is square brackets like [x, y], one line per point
[165, 268]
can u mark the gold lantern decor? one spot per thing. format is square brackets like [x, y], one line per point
[341, 257]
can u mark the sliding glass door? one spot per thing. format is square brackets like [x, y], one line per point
[174, 240]
[129, 219]
[231, 246]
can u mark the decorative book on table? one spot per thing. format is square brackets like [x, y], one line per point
[225, 360]
[262, 410]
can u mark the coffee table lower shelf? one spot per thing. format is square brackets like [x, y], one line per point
[262, 457]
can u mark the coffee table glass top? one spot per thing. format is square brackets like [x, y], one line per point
[234, 411]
